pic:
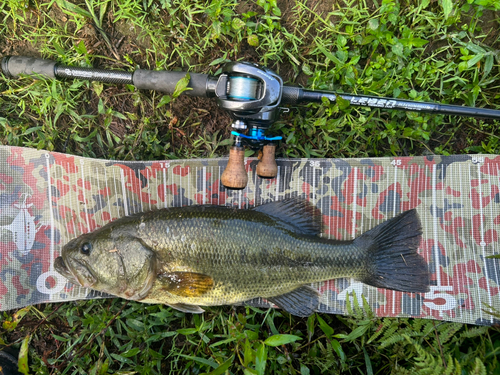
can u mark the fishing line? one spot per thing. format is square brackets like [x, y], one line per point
[243, 88]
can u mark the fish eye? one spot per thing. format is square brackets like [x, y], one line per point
[86, 248]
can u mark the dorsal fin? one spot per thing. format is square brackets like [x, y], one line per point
[297, 214]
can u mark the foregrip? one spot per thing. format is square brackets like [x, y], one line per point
[291, 95]
[165, 81]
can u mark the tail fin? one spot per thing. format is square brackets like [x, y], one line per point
[392, 252]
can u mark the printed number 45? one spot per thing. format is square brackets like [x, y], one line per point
[396, 162]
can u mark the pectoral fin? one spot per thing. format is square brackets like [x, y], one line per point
[302, 301]
[186, 284]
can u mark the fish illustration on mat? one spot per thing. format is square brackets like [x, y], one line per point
[195, 256]
[23, 227]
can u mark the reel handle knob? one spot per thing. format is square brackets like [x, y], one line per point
[267, 167]
[235, 176]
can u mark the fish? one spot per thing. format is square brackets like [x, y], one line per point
[205, 255]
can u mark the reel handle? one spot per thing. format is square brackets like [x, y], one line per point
[235, 176]
[267, 167]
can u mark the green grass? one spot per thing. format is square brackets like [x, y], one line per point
[443, 51]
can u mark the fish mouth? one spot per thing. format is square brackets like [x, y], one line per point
[61, 267]
[86, 280]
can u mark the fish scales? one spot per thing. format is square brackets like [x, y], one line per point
[245, 252]
[211, 255]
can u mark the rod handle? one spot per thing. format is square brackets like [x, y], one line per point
[201, 85]
[13, 66]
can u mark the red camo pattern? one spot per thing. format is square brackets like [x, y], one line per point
[46, 199]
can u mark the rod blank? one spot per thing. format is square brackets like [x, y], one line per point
[297, 95]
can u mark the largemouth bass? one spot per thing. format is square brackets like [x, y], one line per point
[213, 255]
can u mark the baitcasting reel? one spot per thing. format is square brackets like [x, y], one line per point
[251, 93]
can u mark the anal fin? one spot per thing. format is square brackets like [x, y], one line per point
[302, 301]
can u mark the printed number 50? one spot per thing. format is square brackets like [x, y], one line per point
[435, 293]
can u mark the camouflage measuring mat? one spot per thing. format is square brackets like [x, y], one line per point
[47, 198]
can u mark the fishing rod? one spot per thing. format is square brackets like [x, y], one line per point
[251, 93]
